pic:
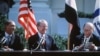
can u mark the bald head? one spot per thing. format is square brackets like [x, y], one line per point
[89, 25]
[10, 26]
[88, 28]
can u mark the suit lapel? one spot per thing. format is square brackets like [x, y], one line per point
[82, 38]
[2, 35]
[91, 39]
[48, 42]
[36, 40]
[12, 39]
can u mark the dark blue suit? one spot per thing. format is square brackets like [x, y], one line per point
[49, 45]
[15, 42]
[94, 39]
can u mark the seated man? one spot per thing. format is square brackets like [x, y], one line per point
[42, 41]
[9, 41]
[87, 41]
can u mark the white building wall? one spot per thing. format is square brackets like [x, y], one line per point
[60, 25]
[48, 9]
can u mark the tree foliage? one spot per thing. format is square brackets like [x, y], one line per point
[60, 41]
[85, 15]
[20, 31]
[10, 3]
[3, 19]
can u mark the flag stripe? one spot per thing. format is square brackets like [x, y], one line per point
[23, 2]
[32, 17]
[98, 29]
[97, 12]
[71, 3]
[23, 13]
[23, 9]
[31, 25]
[27, 19]
[96, 20]
[22, 22]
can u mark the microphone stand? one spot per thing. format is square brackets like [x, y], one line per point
[37, 46]
[2, 41]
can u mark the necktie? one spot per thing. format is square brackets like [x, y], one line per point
[43, 42]
[9, 40]
[85, 42]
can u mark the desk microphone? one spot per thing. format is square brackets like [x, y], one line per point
[38, 44]
[3, 40]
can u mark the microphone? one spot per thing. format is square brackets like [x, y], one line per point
[82, 47]
[39, 44]
[3, 40]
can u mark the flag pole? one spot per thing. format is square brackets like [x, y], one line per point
[69, 31]
[27, 19]
[29, 7]
[29, 2]
[68, 40]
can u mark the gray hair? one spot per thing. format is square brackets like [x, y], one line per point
[41, 21]
[90, 24]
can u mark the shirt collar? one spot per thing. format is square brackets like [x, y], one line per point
[6, 34]
[88, 37]
[40, 35]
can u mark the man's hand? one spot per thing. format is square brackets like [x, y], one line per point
[6, 48]
[92, 47]
[78, 48]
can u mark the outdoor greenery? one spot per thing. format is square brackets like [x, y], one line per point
[60, 41]
[3, 19]
[20, 32]
[85, 15]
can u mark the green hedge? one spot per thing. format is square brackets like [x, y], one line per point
[60, 41]
[85, 15]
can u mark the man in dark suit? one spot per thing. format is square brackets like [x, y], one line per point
[42, 41]
[9, 41]
[87, 41]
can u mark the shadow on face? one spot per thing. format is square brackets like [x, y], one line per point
[10, 27]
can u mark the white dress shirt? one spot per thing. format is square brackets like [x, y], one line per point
[8, 37]
[87, 43]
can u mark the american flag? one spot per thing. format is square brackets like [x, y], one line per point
[27, 19]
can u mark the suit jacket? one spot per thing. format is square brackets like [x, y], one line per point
[15, 44]
[80, 38]
[49, 45]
